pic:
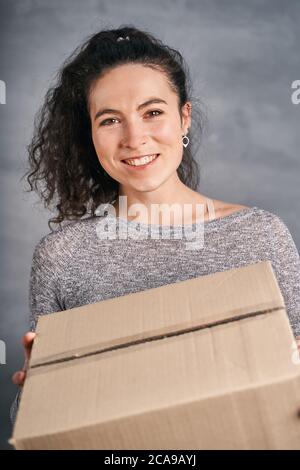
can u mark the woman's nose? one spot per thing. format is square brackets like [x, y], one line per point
[134, 136]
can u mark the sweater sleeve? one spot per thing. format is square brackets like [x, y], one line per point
[44, 282]
[43, 295]
[286, 264]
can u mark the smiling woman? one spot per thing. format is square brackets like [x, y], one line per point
[117, 100]
[138, 144]
[117, 124]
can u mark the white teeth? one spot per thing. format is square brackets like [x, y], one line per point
[141, 160]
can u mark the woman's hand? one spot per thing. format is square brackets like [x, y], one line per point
[19, 377]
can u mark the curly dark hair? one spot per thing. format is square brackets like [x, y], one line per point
[63, 165]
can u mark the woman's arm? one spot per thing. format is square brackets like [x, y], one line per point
[286, 264]
[43, 298]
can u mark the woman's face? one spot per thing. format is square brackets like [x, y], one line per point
[135, 128]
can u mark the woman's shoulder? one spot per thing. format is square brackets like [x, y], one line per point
[66, 238]
[223, 209]
[262, 216]
[266, 227]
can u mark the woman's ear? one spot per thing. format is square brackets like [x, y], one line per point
[186, 111]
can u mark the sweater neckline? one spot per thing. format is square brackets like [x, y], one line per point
[156, 228]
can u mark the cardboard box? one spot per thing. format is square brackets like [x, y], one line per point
[204, 363]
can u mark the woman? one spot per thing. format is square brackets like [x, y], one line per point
[116, 126]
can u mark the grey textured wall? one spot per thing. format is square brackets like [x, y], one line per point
[243, 58]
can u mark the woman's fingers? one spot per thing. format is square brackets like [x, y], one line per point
[27, 342]
[19, 377]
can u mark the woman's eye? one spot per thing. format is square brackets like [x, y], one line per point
[155, 111]
[104, 123]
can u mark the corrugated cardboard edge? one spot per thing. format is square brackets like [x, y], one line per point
[21, 444]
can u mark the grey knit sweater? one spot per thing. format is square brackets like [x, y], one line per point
[77, 265]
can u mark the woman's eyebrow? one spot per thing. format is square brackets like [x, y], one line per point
[146, 103]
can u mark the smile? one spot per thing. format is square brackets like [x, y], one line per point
[141, 161]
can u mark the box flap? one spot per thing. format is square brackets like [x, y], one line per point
[201, 302]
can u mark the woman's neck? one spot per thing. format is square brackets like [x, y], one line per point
[189, 211]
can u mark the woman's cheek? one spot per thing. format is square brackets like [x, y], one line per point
[165, 133]
[95, 140]
[99, 144]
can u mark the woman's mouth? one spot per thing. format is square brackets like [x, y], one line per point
[141, 162]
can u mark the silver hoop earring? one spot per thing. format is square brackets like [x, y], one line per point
[186, 143]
